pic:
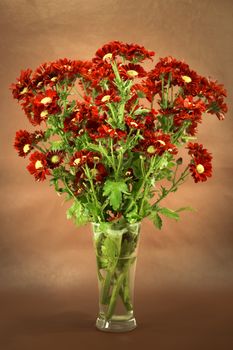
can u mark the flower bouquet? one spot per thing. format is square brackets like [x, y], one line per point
[108, 136]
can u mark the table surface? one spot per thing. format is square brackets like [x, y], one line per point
[64, 319]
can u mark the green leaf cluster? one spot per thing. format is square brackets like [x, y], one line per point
[114, 191]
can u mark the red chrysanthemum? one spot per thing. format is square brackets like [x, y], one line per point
[156, 143]
[200, 165]
[51, 73]
[99, 172]
[38, 166]
[134, 124]
[83, 157]
[23, 142]
[131, 71]
[46, 102]
[54, 159]
[79, 158]
[23, 87]
[108, 96]
[38, 107]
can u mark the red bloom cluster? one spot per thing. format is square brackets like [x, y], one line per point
[200, 166]
[191, 83]
[54, 159]
[130, 52]
[108, 96]
[131, 71]
[25, 140]
[112, 108]
[188, 109]
[38, 166]
[92, 160]
[155, 143]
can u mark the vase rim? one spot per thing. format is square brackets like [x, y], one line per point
[109, 222]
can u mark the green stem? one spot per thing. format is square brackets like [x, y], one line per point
[173, 187]
[125, 292]
[106, 287]
[77, 92]
[115, 292]
[151, 168]
[119, 165]
[95, 200]
[39, 148]
[112, 155]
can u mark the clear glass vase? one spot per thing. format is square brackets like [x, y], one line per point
[116, 246]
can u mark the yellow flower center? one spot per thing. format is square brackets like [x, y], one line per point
[24, 91]
[44, 114]
[94, 172]
[54, 79]
[105, 98]
[151, 149]
[77, 161]
[55, 159]
[107, 56]
[200, 169]
[26, 148]
[46, 100]
[38, 164]
[186, 79]
[132, 73]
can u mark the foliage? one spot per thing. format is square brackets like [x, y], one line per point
[110, 132]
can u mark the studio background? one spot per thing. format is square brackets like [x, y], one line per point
[184, 280]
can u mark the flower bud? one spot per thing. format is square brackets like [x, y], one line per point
[179, 161]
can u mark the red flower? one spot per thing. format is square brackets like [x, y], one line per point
[134, 124]
[24, 85]
[108, 96]
[131, 71]
[84, 157]
[200, 165]
[23, 142]
[187, 109]
[156, 143]
[38, 166]
[108, 51]
[136, 53]
[131, 52]
[74, 121]
[51, 73]
[105, 131]
[42, 105]
[79, 158]
[78, 181]
[100, 172]
[54, 159]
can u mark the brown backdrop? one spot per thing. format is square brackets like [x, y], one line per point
[184, 284]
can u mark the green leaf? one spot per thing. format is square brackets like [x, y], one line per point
[128, 247]
[133, 216]
[78, 213]
[185, 208]
[169, 213]
[114, 190]
[157, 220]
[109, 250]
[141, 111]
[56, 145]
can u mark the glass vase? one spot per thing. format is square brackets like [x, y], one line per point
[116, 246]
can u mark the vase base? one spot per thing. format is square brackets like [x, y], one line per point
[116, 325]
